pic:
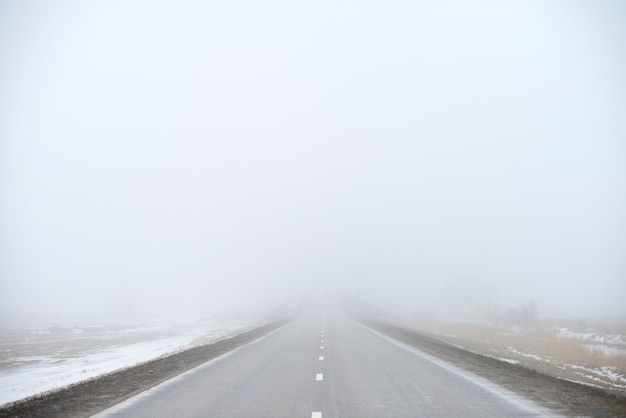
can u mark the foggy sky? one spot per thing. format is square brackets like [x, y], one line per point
[200, 156]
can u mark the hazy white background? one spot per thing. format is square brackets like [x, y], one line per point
[180, 156]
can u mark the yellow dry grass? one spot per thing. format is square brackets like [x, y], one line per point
[540, 340]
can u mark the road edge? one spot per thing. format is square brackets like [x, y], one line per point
[92, 396]
[575, 399]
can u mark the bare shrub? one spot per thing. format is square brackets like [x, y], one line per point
[525, 315]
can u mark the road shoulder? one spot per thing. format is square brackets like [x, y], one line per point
[568, 398]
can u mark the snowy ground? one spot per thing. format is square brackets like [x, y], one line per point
[591, 356]
[37, 359]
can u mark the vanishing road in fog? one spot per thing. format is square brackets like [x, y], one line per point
[326, 365]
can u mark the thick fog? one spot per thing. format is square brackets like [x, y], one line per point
[181, 156]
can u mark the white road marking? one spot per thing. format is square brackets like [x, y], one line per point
[319, 376]
[316, 415]
[322, 347]
[321, 358]
[322, 340]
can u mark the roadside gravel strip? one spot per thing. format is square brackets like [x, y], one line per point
[87, 398]
[568, 398]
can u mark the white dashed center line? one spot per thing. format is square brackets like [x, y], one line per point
[322, 347]
[321, 358]
[319, 376]
[316, 415]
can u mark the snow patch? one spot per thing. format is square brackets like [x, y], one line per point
[507, 360]
[591, 336]
[531, 356]
[64, 358]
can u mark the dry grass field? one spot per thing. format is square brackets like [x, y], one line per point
[588, 352]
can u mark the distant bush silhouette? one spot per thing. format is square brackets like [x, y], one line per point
[525, 315]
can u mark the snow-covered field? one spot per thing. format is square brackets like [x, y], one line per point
[591, 355]
[35, 359]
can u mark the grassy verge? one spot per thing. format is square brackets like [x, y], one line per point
[592, 354]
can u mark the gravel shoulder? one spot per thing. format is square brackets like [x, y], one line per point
[565, 397]
[87, 398]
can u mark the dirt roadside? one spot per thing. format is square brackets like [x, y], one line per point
[87, 398]
[565, 397]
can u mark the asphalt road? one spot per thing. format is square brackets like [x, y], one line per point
[326, 365]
